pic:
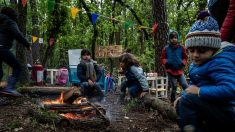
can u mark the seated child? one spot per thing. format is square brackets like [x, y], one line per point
[89, 74]
[136, 81]
[209, 102]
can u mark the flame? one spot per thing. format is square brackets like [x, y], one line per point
[73, 116]
[57, 101]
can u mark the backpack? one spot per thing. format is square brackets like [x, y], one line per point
[62, 76]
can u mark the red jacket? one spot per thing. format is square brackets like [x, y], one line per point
[228, 27]
[166, 58]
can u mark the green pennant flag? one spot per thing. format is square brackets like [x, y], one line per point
[51, 5]
[128, 24]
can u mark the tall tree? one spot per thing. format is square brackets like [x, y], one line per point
[160, 37]
[20, 49]
[35, 31]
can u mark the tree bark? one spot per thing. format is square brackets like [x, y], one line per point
[95, 31]
[35, 32]
[164, 108]
[20, 49]
[160, 37]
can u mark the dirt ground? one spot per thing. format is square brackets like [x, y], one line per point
[14, 117]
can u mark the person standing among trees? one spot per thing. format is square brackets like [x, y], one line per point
[9, 31]
[174, 58]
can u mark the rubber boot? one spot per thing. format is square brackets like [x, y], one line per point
[10, 88]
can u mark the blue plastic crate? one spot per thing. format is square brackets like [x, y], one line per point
[73, 79]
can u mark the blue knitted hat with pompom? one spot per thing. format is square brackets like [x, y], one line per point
[204, 33]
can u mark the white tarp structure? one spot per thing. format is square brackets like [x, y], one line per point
[74, 57]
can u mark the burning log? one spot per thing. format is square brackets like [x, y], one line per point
[82, 107]
[166, 109]
[72, 95]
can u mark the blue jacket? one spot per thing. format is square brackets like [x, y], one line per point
[216, 78]
[135, 75]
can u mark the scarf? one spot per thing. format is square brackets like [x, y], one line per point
[90, 70]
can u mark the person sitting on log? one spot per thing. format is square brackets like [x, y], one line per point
[136, 81]
[208, 104]
[89, 74]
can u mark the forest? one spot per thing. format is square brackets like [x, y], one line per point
[129, 23]
[53, 27]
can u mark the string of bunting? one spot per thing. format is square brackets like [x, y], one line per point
[74, 11]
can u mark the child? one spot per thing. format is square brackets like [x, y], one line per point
[9, 32]
[136, 81]
[210, 99]
[174, 58]
[89, 74]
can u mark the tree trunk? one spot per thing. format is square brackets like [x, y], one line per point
[35, 32]
[20, 49]
[160, 37]
[95, 31]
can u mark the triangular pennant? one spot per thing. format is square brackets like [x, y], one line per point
[141, 27]
[74, 12]
[24, 2]
[51, 4]
[94, 18]
[34, 39]
[128, 24]
[155, 26]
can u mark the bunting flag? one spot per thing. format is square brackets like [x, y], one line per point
[74, 12]
[141, 27]
[155, 26]
[128, 24]
[94, 18]
[51, 5]
[34, 38]
[24, 2]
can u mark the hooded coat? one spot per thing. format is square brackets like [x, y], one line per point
[9, 31]
[216, 78]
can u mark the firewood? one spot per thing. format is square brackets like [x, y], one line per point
[72, 95]
[43, 90]
[102, 113]
[64, 106]
[165, 108]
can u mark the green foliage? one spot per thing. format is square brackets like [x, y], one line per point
[14, 124]
[74, 34]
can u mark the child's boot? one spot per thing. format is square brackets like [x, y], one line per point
[10, 88]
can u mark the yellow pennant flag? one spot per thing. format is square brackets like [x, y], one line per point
[74, 12]
[34, 39]
[141, 27]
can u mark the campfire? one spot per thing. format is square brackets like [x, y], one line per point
[76, 110]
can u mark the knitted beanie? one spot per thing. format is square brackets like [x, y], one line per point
[204, 33]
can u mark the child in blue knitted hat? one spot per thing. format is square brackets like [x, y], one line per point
[208, 104]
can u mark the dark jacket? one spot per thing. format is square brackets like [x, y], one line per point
[81, 72]
[9, 32]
